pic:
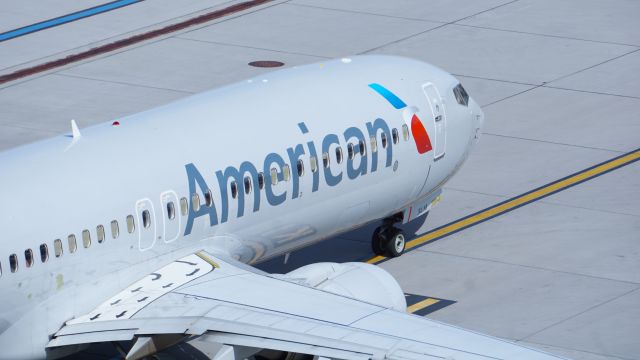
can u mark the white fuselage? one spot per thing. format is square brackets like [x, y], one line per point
[151, 161]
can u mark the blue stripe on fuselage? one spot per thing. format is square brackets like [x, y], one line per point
[391, 97]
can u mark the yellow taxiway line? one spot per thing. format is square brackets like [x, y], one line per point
[520, 200]
[421, 305]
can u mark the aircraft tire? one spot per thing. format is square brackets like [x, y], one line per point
[396, 242]
[378, 242]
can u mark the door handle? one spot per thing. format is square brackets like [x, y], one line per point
[439, 118]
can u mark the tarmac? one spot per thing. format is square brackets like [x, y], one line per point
[559, 82]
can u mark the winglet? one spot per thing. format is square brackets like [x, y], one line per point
[75, 132]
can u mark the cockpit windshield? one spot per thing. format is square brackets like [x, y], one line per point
[461, 95]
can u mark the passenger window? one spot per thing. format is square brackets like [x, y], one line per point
[362, 148]
[195, 202]
[405, 132]
[287, 172]
[339, 155]
[86, 238]
[44, 253]
[325, 160]
[234, 189]
[274, 176]
[383, 139]
[28, 257]
[261, 180]
[131, 224]
[247, 184]
[300, 167]
[115, 229]
[146, 219]
[71, 239]
[100, 233]
[13, 262]
[208, 198]
[57, 247]
[313, 161]
[184, 206]
[350, 151]
[394, 134]
[374, 144]
[171, 210]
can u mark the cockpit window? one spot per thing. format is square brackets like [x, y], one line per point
[461, 95]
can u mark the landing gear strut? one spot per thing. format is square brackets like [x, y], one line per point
[388, 240]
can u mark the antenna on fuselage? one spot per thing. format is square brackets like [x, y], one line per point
[75, 131]
[75, 134]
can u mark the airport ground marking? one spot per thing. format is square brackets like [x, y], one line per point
[518, 201]
[119, 44]
[422, 304]
[64, 19]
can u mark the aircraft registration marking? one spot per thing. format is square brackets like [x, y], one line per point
[518, 201]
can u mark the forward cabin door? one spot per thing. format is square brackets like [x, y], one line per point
[147, 224]
[438, 113]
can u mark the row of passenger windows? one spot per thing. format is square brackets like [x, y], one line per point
[72, 245]
[352, 149]
[100, 233]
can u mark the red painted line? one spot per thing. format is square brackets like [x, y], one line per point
[18, 74]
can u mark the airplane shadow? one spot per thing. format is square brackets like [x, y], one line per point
[354, 245]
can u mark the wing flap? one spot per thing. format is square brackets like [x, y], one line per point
[230, 304]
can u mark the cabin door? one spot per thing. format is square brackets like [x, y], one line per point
[439, 118]
[146, 224]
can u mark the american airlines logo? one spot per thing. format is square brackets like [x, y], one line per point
[232, 181]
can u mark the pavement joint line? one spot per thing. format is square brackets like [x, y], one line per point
[435, 28]
[552, 142]
[135, 39]
[574, 349]
[548, 35]
[544, 202]
[367, 13]
[498, 80]
[511, 96]
[593, 66]
[532, 267]
[592, 92]
[18, 126]
[518, 201]
[581, 312]
[62, 74]
[179, 37]
[65, 19]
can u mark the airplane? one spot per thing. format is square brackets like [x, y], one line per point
[143, 229]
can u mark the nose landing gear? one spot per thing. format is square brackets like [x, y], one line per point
[388, 240]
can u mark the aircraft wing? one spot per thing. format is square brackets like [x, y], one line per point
[230, 303]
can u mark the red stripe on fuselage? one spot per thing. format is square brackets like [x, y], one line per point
[423, 143]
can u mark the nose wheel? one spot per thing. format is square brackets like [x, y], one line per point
[388, 241]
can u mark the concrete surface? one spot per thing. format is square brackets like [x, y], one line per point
[559, 82]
